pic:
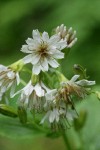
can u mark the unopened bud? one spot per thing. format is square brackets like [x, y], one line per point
[8, 111]
[22, 114]
[17, 66]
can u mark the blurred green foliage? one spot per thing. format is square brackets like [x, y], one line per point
[19, 17]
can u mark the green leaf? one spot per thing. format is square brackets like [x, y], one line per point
[90, 132]
[79, 122]
[88, 136]
[12, 128]
[8, 111]
[97, 94]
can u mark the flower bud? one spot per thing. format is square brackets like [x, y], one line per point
[22, 114]
[17, 66]
[7, 111]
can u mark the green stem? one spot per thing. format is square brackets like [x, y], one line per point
[27, 70]
[38, 127]
[23, 82]
[68, 147]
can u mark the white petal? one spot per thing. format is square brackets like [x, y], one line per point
[36, 35]
[61, 44]
[25, 49]
[57, 29]
[72, 43]
[32, 48]
[35, 58]
[54, 39]
[51, 117]
[17, 78]
[61, 27]
[27, 59]
[52, 49]
[74, 78]
[3, 68]
[3, 89]
[30, 41]
[11, 75]
[44, 64]
[13, 89]
[28, 89]
[39, 90]
[73, 35]
[70, 30]
[85, 82]
[58, 55]
[53, 63]
[36, 69]
[45, 117]
[56, 115]
[45, 36]
[50, 94]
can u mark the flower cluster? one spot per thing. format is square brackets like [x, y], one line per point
[43, 52]
[67, 34]
[59, 103]
[8, 80]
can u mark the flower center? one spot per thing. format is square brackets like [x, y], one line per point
[43, 48]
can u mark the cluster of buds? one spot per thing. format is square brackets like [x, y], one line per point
[67, 34]
[8, 80]
[57, 105]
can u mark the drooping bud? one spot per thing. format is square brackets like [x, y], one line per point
[79, 70]
[8, 80]
[8, 111]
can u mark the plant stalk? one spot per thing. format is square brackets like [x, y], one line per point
[68, 147]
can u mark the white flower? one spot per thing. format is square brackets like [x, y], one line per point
[50, 97]
[82, 82]
[8, 79]
[32, 95]
[43, 51]
[59, 114]
[57, 109]
[59, 106]
[81, 87]
[51, 116]
[67, 34]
